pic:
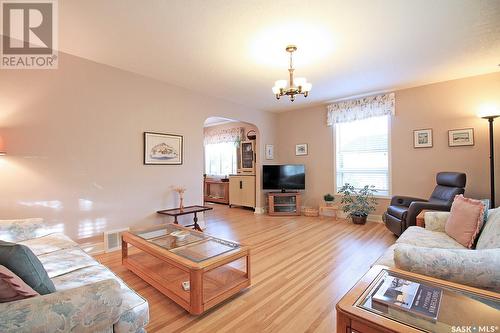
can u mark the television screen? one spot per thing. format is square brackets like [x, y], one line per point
[284, 177]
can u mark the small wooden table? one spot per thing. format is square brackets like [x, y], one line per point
[325, 208]
[461, 306]
[216, 269]
[175, 212]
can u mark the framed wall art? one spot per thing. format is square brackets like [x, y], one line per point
[301, 149]
[163, 149]
[422, 138]
[269, 152]
[461, 137]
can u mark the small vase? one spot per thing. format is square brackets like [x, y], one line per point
[181, 204]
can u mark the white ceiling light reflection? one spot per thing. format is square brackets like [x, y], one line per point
[313, 43]
[85, 205]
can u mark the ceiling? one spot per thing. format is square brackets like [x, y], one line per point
[234, 49]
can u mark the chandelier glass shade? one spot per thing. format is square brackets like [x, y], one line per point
[295, 86]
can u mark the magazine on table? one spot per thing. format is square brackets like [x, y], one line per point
[416, 298]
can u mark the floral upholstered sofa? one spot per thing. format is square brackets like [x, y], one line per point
[88, 297]
[430, 251]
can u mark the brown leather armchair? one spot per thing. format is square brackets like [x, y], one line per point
[403, 211]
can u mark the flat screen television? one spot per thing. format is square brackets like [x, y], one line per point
[284, 177]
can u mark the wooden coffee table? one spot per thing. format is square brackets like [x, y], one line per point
[215, 268]
[461, 306]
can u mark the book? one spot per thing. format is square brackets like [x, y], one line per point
[416, 298]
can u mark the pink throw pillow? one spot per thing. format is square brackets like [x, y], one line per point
[12, 288]
[465, 221]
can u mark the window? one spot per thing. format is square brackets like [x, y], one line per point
[220, 159]
[362, 153]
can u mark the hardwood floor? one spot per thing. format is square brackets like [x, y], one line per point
[301, 267]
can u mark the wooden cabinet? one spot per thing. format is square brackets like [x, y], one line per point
[242, 190]
[216, 190]
[247, 157]
[284, 203]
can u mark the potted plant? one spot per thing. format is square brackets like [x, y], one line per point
[358, 203]
[329, 199]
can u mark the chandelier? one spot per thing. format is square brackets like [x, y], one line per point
[298, 86]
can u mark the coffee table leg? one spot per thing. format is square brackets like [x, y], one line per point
[196, 226]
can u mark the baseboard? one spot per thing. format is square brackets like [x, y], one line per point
[260, 210]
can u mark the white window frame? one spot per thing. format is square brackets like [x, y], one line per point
[389, 157]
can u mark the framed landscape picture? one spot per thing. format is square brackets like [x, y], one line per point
[163, 149]
[301, 149]
[422, 138]
[461, 137]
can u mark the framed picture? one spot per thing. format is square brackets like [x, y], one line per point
[461, 137]
[301, 149]
[163, 149]
[269, 152]
[422, 138]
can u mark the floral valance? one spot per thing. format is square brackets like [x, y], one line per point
[223, 135]
[362, 108]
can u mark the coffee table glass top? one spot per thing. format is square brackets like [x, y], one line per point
[457, 307]
[193, 245]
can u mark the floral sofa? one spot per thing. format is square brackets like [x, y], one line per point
[430, 251]
[89, 297]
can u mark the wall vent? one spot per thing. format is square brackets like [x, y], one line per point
[113, 240]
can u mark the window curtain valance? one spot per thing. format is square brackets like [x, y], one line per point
[213, 136]
[362, 108]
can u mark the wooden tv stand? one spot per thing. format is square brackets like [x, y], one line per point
[284, 203]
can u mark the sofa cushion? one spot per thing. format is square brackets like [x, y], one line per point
[490, 235]
[397, 211]
[465, 221]
[134, 309]
[422, 237]
[64, 261]
[49, 243]
[12, 288]
[477, 268]
[19, 230]
[22, 262]
[387, 258]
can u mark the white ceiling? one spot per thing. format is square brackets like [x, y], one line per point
[234, 49]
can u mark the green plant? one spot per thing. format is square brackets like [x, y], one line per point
[328, 197]
[358, 202]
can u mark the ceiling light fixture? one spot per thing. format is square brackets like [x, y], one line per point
[299, 86]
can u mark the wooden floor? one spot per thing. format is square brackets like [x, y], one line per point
[301, 267]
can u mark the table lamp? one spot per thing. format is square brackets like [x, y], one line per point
[490, 112]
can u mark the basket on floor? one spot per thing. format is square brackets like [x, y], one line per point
[311, 212]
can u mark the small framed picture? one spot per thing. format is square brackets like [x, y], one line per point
[461, 137]
[422, 138]
[163, 149]
[269, 152]
[301, 149]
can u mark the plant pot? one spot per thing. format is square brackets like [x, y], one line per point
[359, 219]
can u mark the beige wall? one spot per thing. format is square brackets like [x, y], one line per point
[75, 148]
[441, 106]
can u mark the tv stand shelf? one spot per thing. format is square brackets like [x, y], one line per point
[284, 203]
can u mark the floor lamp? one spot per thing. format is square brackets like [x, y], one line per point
[490, 113]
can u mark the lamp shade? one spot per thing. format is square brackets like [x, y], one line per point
[488, 111]
[2, 147]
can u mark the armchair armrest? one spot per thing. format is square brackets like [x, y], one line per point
[22, 229]
[91, 308]
[416, 207]
[435, 221]
[401, 200]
